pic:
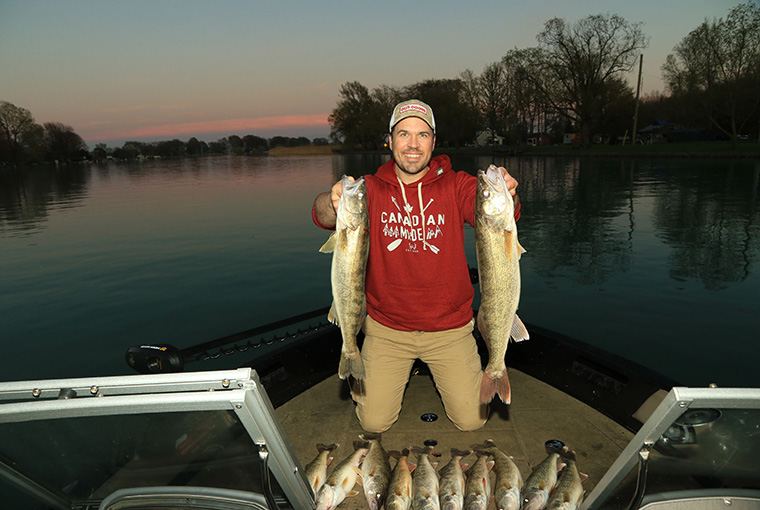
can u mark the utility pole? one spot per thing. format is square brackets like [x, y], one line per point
[636, 108]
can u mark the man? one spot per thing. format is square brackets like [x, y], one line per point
[418, 289]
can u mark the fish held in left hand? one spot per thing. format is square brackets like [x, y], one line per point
[349, 245]
[498, 254]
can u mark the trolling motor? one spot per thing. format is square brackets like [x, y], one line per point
[155, 359]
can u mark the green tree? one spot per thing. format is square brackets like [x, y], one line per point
[193, 147]
[717, 66]
[573, 64]
[236, 144]
[62, 143]
[170, 148]
[255, 143]
[354, 120]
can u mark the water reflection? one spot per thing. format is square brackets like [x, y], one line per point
[710, 219]
[632, 255]
[581, 218]
[26, 195]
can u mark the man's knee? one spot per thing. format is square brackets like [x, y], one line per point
[373, 422]
[471, 422]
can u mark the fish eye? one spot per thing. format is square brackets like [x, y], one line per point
[487, 193]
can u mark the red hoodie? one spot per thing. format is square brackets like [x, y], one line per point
[417, 274]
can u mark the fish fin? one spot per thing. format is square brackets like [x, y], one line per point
[332, 315]
[490, 464]
[542, 485]
[329, 447]
[519, 331]
[490, 387]
[329, 461]
[520, 250]
[425, 492]
[329, 246]
[412, 466]
[351, 364]
[583, 477]
[358, 472]
[351, 493]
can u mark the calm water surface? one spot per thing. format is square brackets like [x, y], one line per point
[652, 259]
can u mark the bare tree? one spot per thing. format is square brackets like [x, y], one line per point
[15, 123]
[573, 64]
[718, 66]
[494, 98]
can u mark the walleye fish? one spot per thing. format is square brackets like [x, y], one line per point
[498, 255]
[451, 491]
[425, 481]
[342, 479]
[376, 472]
[508, 482]
[400, 487]
[477, 489]
[535, 492]
[568, 493]
[316, 470]
[349, 245]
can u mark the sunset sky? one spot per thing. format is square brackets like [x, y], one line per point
[162, 69]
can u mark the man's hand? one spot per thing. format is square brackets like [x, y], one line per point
[326, 204]
[511, 181]
[337, 191]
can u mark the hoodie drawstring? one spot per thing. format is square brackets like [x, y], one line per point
[408, 209]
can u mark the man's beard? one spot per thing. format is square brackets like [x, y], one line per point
[412, 169]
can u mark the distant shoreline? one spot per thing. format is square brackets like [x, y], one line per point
[670, 150]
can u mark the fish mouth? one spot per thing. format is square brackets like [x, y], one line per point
[494, 179]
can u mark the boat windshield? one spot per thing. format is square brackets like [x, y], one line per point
[89, 457]
[698, 443]
[63, 453]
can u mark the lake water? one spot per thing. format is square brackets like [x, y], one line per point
[653, 259]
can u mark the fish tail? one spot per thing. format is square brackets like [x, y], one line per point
[351, 364]
[492, 386]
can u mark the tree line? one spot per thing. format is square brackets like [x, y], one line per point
[572, 82]
[23, 141]
[234, 144]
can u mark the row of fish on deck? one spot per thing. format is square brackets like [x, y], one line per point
[555, 483]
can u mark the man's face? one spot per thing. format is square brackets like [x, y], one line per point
[412, 142]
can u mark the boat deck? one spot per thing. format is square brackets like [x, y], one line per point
[539, 412]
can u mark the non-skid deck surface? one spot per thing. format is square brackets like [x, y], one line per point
[325, 414]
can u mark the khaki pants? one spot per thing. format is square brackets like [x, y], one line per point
[388, 356]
